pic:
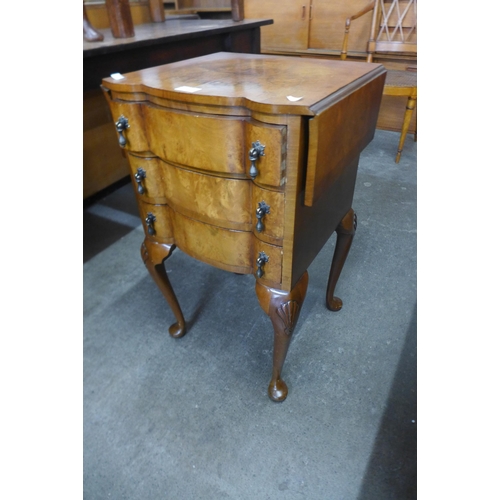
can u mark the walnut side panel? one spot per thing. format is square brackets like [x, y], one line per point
[314, 225]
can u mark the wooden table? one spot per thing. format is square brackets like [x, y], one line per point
[152, 45]
[161, 43]
[248, 163]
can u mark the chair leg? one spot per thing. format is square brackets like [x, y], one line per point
[410, 106]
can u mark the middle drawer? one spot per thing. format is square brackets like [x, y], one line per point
[219, 201]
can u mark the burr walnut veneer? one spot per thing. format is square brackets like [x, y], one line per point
[248, 163]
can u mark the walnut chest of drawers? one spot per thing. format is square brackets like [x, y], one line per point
[248, 163]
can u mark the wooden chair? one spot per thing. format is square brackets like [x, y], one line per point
[393, 31]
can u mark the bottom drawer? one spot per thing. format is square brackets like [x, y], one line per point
[223, 248]
[228, 249]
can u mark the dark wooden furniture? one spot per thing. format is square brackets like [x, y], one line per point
[157, 11]
[152, 45]
[161, 43]
[393, 30]
[120, 18]
[248, 163]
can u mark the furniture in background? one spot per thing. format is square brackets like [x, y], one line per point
[120, 18]
[237, 10]
[202, 5]
[393, 30]
[90, 34]
[248, 162]
[156, 11]
[302, 26]
[152, 45]
[315, 28]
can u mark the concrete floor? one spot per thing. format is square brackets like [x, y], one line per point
[190, 418]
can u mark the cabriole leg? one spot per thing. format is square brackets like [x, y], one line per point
[283, 309]
[345, 234]
[153, 255]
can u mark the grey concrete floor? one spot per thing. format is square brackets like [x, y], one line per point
[190, 418]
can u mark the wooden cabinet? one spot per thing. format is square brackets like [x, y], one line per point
[291, 23]
[248, 162]
[313, 26]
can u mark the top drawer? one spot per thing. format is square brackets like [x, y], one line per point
[213, 143]
[205, 142]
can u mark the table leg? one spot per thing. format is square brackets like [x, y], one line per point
[345, 234]
[154, 255]
[283, 309]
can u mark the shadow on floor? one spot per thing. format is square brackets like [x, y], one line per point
[392, 470]
[107, 217]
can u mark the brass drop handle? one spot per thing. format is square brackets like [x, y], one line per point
[150, 220]
[139, 176]
[261, 211]
[121, 125]
[261, 260]
[256, 151]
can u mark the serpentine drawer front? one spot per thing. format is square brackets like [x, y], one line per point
[248, 163]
